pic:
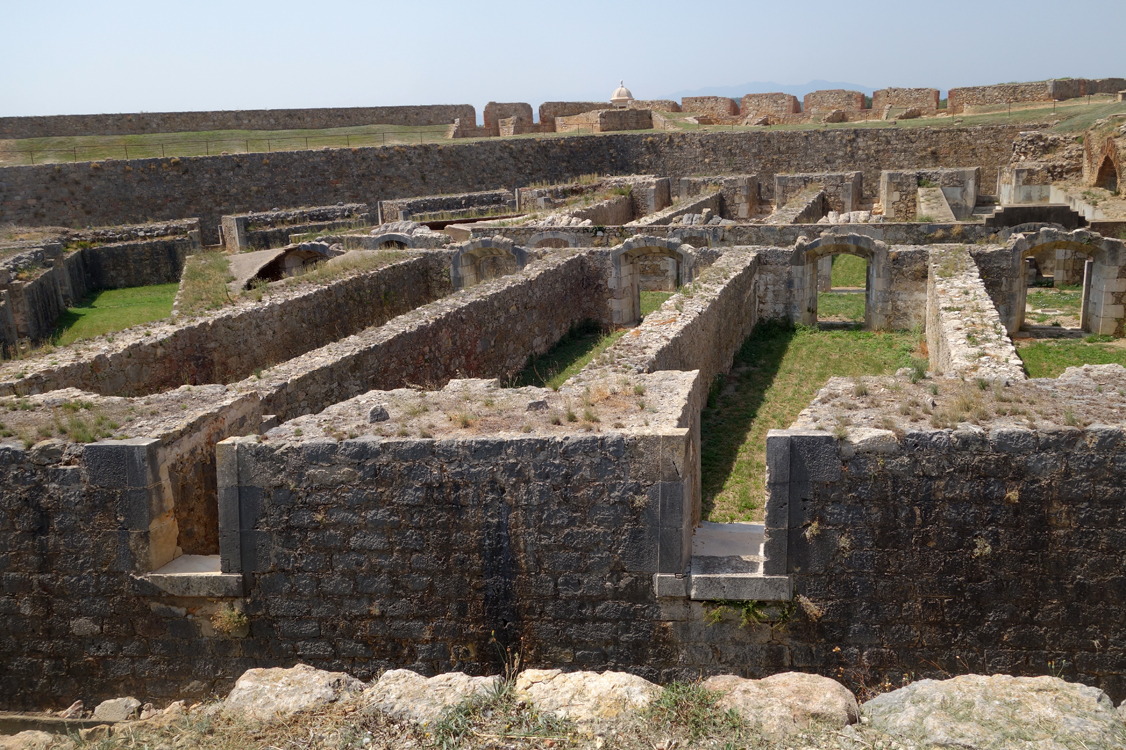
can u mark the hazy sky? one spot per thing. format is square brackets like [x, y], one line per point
[70, 57]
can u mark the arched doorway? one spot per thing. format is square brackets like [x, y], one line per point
[649, 264]
[804, 268]
[1107, 176]
[391, 241]
[1103, 289]
[484, 259]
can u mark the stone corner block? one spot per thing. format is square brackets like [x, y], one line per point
[670, 586]
[121, 464]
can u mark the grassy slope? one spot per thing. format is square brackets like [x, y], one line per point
[776, 374]
[114, 310]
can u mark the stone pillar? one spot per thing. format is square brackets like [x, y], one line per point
[129, 472]
[825, 273]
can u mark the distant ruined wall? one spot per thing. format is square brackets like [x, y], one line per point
[822, 101]
[250, 119]
[756, 105]
[210, 187]
[548, 111]
[715, 106]
[892, 97]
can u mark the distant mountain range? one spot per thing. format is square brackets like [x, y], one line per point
[767, 87]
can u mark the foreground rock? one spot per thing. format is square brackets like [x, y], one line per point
[407, 696]
[784, 703]
[975, 711]
[118, 709]
[585, 697]
[272, 694]
[29, 740]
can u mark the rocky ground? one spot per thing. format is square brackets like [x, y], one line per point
[303, 707]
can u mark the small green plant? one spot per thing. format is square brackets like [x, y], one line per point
[695, 708]
[230, 621]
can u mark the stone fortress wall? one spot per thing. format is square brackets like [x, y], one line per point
[211, 187]
[893, 97]
[250, 119]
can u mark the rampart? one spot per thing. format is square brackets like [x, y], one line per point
[210, 187]
[250, 119]
[830, 99]
[606, 121]
[756, 105]
[893, 97]
[548, 111]
[714, 106]
[264, 229]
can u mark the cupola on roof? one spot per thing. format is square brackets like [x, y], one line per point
[621, 95]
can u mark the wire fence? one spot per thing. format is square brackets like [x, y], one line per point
[209, 147]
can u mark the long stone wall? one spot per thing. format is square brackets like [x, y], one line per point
[893, 97]
[249, 119]
[209, 187]
[756, 105]
[830, 99]
[233, 343]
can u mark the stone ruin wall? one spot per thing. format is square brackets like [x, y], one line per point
[210, 187]
[548, 111]
[756, 105]
[233, 343]
[497, 111]
[657, 105]
[405, 208]
[830, 99]
[713, 106]
[250, 119]
[843, 191]
[893, 97]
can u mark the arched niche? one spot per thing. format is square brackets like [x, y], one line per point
[646, 263]
[804, 273]
[483, 259]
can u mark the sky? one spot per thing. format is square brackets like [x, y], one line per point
[126, 56]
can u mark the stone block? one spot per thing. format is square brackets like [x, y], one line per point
[122, 463]
[670, 586]
[777, 456]
[814, 456]
[672, 505]
[1012, 440]
[734, 587]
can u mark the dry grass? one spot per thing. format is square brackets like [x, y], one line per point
[203, 285]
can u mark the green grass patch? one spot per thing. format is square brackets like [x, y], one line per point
[1048, 359]
[570, 354]
[776, 373]
[1068, 299]
[114, 310]
[848, 306]
[652, 301]
[849, 270]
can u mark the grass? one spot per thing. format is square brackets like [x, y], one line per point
[849, 270]
[158, 145]
[1068, 299]
[652, 301]
[114, 310]
[847, 306]
[570, 354]
[1048, 359]
[204, 283]
[776, 373]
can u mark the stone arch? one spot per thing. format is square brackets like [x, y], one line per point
[1107, 175]
[626, 277]
[1104, 287]
[392, 240]
[804, 271]
[553, 239]
[485, 258]
[290, 262]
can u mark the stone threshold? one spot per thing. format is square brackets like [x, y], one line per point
[196, 575]
[726, 565]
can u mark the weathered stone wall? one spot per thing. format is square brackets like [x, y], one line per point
[264, 229]
[806, 206]
[657, 105]
[548, 111]
[612, 211]
[991, 550]
[843, 191]
[209, 187]
[694, 206]
[965, 336]
[893, 97]
[405, 208]
[899, 191]
[488, 330]
[968, 96]
[137, 263]
[740, 193]
[497, 111]
[606, 121]
[756, 105]
[250, 119]
[829, 99]
[714, 106]
[233, 343]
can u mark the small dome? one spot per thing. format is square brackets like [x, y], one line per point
[621, 95]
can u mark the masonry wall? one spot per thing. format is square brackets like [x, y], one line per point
[756, 105]
[822, 101]
[842, 191]
[209, 187]
[233, 343]
[488, 330]
[715, 106]
[497, 111]
[960, 98]
[974, 550]
[893, 97]
[250, 119]
[548, 111]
